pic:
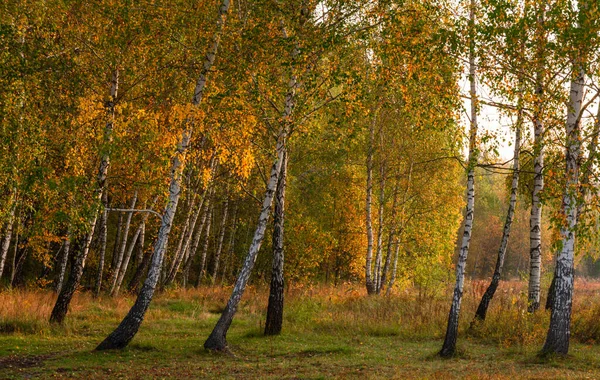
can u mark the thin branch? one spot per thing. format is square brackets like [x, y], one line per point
[135, 210]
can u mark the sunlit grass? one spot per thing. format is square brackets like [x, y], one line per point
[328, 332]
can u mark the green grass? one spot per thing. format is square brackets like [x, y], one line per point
[322, 339]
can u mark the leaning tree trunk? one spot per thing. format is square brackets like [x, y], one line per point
[220, 244]
[115, 274]
[64, 298]
[18, 280]
[491, 289]
[125, 332]
[535, 221]
[274, 319]
[449, 346]
[131, 323]
[557, 340]
[217, 339]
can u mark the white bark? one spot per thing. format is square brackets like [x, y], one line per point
[449, 346]
[130, 325]
[7, 236]
[64, 298]
[368, 216]
[217, 339]
[535, 221]
[557, 340]
[203, 263]
[491, 289]
[62, 268]
[379, 255]
[102, 239]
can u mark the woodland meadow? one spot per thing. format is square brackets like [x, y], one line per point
[299, 189]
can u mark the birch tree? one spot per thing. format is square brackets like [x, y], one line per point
[274, 319]
[535, 235]
[586, 29]
[491, 289]
[127, 329]
[449, 346]
[64, 298]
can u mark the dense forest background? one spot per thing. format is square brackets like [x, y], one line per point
[155, 146]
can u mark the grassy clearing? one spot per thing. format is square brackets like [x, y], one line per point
[328, 333]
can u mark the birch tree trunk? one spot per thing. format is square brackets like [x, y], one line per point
[203, 263]
[218, 337]
[378, 257]
[491, 289]
[115, 273]
[64, 298]
[15, 248]
[535, 227]
[390, 244]
[7, 237]
[274, 319]
[125, 332]
[18, 277]
[368, 201]
[103, 237]
[64, 260]
[115, 251]
[557, 340]
[140, 252]
[449, 346]
[220, 244]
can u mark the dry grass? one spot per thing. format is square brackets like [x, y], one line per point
[328, 332]
[326, 308]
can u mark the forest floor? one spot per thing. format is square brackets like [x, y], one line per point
[328, 333]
